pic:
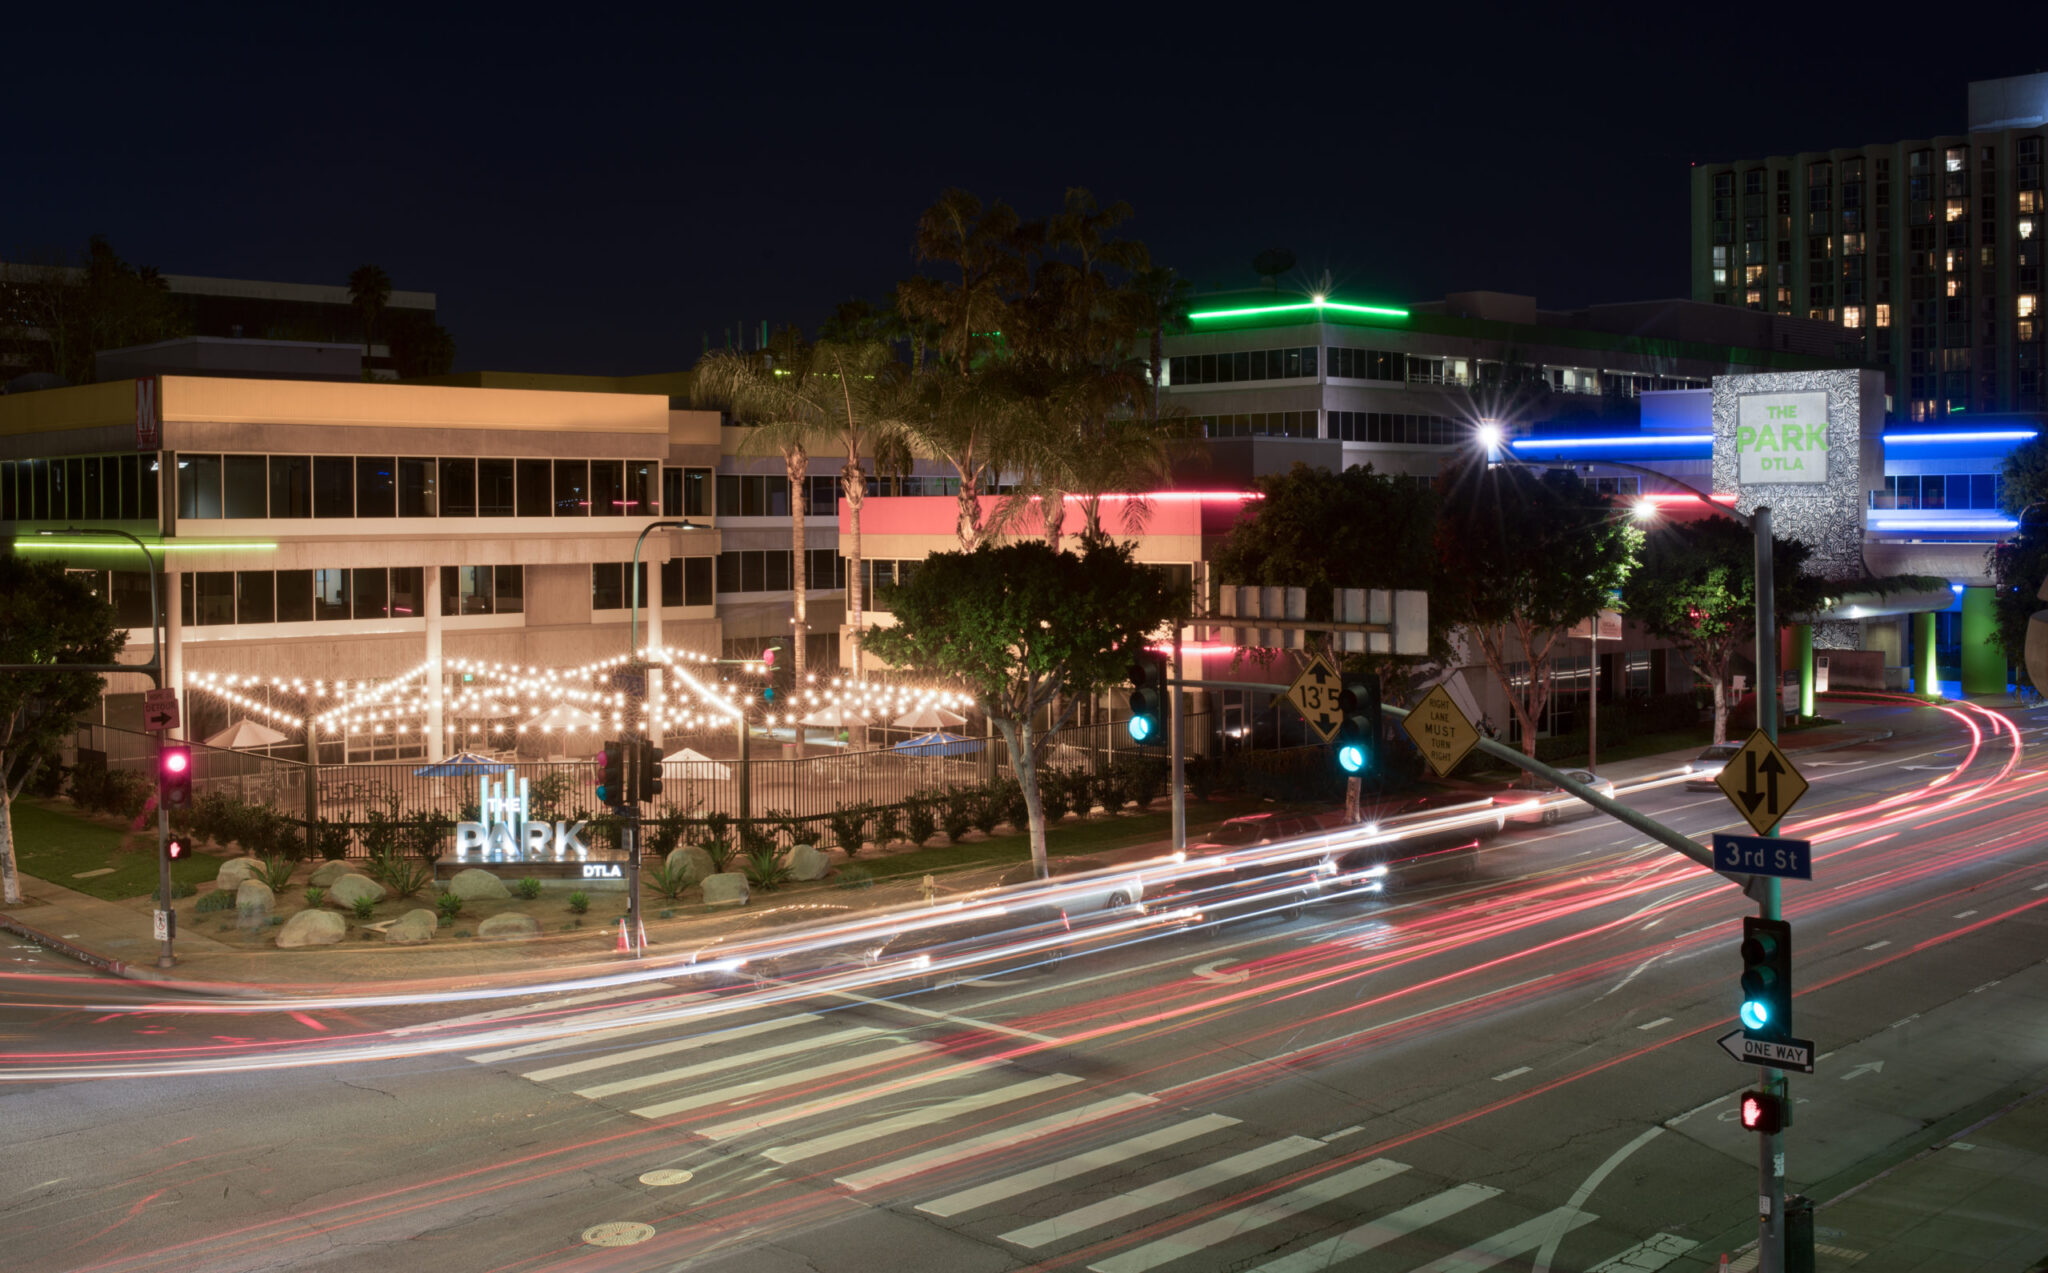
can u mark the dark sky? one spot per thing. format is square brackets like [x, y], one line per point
[593, 197]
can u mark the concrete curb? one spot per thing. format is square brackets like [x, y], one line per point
[122, 968]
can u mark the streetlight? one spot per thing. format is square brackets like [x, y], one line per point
[633, 636]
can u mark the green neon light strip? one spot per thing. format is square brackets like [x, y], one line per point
[1382, 311]
[37, 542]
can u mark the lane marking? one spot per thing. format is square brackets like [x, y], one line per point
[740, 1091]
[559, 1038]
[1342, 1132]
[652, 1050]
[1964, 914]
[1052, 1173]
[1509, 1243]
[1564, 1219]
[1207, 972]
[1515, 1073]
[1159, 1192]
[572, 1001]
[1377, 1233]
[1651, 1025]
[1257, 1216]
[958, 1151]
[682, 1073]
[917, 1118]
[1903, 1021]
[1879, 945]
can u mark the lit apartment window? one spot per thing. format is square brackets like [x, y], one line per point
[1720, 276]
[1958, 209]
[2026, 227]
[1720, 254]
[1957, 157]
[1852, 316]
[1883, 316]
[2028, 302]
[2030, 201]
[1752, 275]
[1755, 299]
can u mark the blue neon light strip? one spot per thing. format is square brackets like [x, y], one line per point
[1633, 439]
[1980, 435]
[1977, 523]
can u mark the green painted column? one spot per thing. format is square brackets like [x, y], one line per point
[1924, 682]
[1983, 662]
[1802, 658]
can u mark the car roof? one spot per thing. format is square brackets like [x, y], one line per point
[1721, 749]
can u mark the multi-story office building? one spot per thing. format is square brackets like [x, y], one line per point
[1929, 251]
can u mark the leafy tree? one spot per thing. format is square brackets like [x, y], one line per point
[1524, 555]
[1695, 586]
[52, 618]
[420, 346]
[54, 317]
[1024, 626]
[1160, 299]
[2019, 565]
[369, 288]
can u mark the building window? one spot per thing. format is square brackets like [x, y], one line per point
[1260, 424]
[1374, 364]
[572, 488]
[255, 596]
[824, 570]
[497, 488]
[608, 585]
[371, 588]
[466, 590]
[1881, 315]
[1229, 368]
[291, 486]
[536, 488]
[209, 597]
[244, 479]
[458, 487]
[752, 495]
[2026, 304]
[508, 589]
[408, 592]
[416, 487]
[330, 594]
[198, 487]
[294, 596]
[753, 571]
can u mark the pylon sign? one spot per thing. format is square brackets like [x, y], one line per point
[1761, 783]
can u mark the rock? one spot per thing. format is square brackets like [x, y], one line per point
[326, 873]
[235, 870]
[508, 927]
[475, 885]
[698, 860]
[808, 862]
[344, 891]
[729, 889]
[412, 928]
[253, 904]
[311, 928]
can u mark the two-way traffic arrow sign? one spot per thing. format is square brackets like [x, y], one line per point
[1761, 782]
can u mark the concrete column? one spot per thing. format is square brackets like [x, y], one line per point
[174, 643]
[1802, 659]
[650, 624]
[1983, 661]
[1924, 669]
[437, 680]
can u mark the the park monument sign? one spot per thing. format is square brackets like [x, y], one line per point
[1781, 437]
[1809, 444]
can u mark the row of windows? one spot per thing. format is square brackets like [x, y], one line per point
[1394, 426]
[1366, 364]
[209, 598]
[81, 487]
[685, 581]
[214, 486]
[1231, 368]
[1260, 424]
[1939, 490]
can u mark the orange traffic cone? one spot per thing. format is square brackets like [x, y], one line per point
[624, 947]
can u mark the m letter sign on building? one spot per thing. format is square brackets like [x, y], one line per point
[1782, 437]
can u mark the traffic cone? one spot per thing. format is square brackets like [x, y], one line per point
[624, 947]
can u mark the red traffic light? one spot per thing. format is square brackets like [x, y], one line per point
[1761, 1112]
[177, 761]
[174, 776]
[768, 656]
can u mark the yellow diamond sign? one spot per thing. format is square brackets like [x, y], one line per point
[1441, 731]
[1761, 782]
[1315, 693]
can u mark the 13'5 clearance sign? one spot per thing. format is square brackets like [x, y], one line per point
[1781, 437]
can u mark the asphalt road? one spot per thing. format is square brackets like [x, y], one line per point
[1518, 1071]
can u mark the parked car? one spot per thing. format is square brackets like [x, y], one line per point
[1533, 801]
[1707, 766]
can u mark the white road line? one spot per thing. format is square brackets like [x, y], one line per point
[1879, 945]
[2038, 888]
[917, 1118]
[1159, 1192]
[1509, 1243]
[1342, 1132]
[534, 1009]
[1257, 1216]
[1651, 1025]
[1964, 914]
[1647, 1256]
[1022, 1182]
[693, 1042]
[1377, 1233]
[1562, 1218]
[842, 1102]
[1986, 986]
[1903, 1021]
[1009, 1137]
[1866, 879]
[897, 1005]
[581, 1034]
[741, 1091]
[1515, 1073]
[683, 1073]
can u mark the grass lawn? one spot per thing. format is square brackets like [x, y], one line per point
[51, 842]
[1070, 837]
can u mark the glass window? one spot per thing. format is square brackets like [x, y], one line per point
[91, 490]
[607, 588]
[671, 492]
[536, 488]
[778, 571]
[697, 589]
[130, 506]
[465, 590]
[458, 487]
[330, 594]
[198, 486]
[213, 597]
[294, 596]
[255, 596]
[376, 486]
[508, 590]
[416, 486]
[129, 593]
[73, 473]
[728, 572]
[371, 589]
[1933, 491]
[245, 480]
[9, 509]
[672, 582]
[607, 488]
[728, 495]
[697, 493]
[291, 486]
[151, 488]
[496, 489]
[334, 486]
[641, 494]
[1983, 490]
[408, 592]
[572, 488]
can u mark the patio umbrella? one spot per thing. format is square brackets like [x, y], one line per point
[938, 743]
[929, 718]
[837, 716]
[689, 763]
[563, 718]
[246, 733]
[465, 764]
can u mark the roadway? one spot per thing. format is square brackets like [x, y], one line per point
[1516, 1071]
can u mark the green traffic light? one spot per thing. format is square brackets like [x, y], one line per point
[1141, 728]
[1351, 758]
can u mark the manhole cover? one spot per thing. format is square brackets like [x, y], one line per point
[667, 1176]
[617, 1233]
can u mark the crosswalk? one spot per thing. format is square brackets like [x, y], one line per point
[1054, 1167]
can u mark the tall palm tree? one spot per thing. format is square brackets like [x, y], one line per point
[1160, 299]
[369, 287]
[865, 392]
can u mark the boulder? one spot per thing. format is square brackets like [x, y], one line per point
[510, 926]
[235, 870]
[344, 891]
[728, 889]
[412, 928]
[253, 904]
[326, 873]
[808, 862]
[474, 885]
[697, 859]
[311, 928]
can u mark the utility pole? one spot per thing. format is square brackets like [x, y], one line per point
[1771, 1145]
[1176, 723]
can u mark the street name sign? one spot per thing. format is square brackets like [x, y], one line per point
[1761, 782]
[1763, 855]
[160, 709]
[1315, 693]
[1442, 733]
[1793, 1054]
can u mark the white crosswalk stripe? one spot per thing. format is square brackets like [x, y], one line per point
[791, 1078]
[610, 1060]
[862, 1132]
[550, 1005]
[1377, 1233]
[584, 1035]
[982, 1195]
[1160, 1192]
[684, 1073]
[1007, 1138]
[1509, 1243]
[1245, 1219]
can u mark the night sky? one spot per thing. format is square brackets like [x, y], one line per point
[595, 197]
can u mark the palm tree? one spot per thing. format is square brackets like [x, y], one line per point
[865, 392]
[1159, 298]
[369, 287]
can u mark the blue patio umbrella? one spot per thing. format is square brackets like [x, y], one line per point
[938, 743]
[465, 764]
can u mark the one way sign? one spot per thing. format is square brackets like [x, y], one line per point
[1761, 782]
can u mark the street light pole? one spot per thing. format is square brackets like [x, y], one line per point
[634, 660]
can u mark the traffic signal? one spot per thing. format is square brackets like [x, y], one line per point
[775, 694]
[1148, 696]
[611, 772]
[1766, 979]
[174, 776]
[1762, 1112]
[1358, 734]
[177, 847]
[646, 770]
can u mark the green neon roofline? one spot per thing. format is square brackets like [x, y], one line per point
[1383, 311]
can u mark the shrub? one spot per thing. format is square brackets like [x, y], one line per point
[330, 840]
[426, 831]
[1106, 788]
[579, 901]
[546, 795]
[48, 779]
[987, 810]
[402, 876]
[528, 888]
[850, 828]
[666, 832]
[920, 821]
[754, 840]
[364, 908]
[1054, 796]
[220, 899]
[1010, 802]
[277, 872]
[670, 881]
[287, 842]
[801, 830]
[766, 869]
[449, 905]
[854, 876]
[956, 814]
[315, 895]
[381, 833]
[718, 826]
[887, 826]
[720, 852]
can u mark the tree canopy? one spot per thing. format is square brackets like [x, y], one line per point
[54, 317]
